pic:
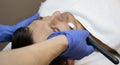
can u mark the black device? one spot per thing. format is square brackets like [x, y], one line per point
[103, 51]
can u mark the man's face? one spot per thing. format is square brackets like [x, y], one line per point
[41, 29]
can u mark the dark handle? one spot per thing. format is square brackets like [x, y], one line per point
[103, 51]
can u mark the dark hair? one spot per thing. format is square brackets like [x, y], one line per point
[23, 37]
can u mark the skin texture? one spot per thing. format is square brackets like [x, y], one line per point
[40, 34]
[57, 20]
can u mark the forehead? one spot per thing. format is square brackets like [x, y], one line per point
[41, 29]
[37, 23]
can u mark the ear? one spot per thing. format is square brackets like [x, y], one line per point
[70, 62]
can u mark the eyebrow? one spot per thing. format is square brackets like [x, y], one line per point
[40, 18]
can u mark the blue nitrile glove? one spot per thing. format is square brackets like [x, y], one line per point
[77, 45]
[6, 32]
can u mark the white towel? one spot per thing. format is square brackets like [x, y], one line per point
[7, 47]
[100, 17]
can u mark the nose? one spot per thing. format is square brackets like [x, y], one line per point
[58, 16]
[56, 13]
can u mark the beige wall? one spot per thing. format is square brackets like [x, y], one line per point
[13, 11]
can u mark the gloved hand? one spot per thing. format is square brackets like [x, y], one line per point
[6, 32]
[77, 45]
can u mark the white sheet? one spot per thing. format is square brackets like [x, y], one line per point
[7, 47]
[100, 17]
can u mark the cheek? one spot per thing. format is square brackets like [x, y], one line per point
[79, 26]
[62, 26]
[41, 33]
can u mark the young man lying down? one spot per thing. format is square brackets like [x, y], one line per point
[39, 30]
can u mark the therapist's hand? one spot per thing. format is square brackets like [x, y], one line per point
[78, 47]
[6, 32]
